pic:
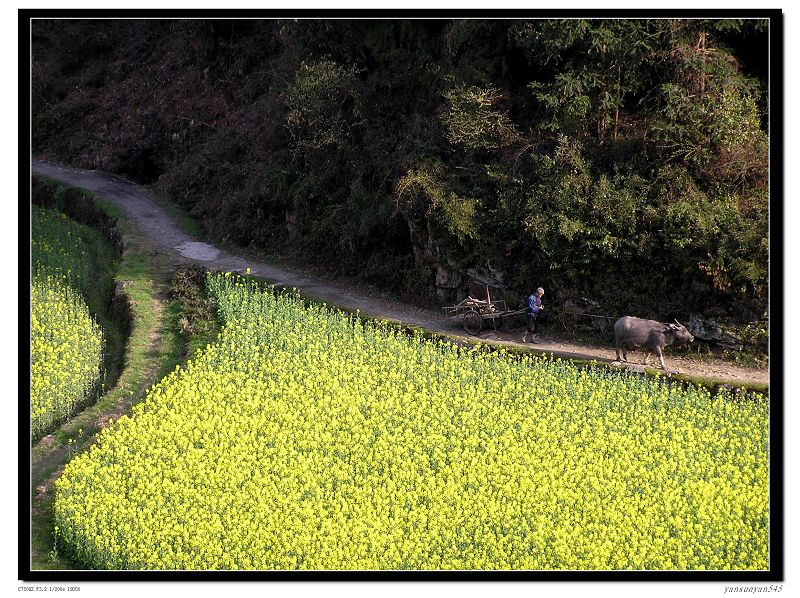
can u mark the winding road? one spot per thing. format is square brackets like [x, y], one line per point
[155, 224]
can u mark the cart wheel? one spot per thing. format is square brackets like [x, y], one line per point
[473, 323]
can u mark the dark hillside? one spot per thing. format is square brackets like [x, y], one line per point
[624, 161]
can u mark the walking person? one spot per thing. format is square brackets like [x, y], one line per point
[532, 311]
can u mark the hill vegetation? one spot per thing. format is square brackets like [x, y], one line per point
[620, 160]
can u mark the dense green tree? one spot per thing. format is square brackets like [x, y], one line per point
[591, 70]
[623, 160]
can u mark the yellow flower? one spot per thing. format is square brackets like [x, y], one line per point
[304, 439]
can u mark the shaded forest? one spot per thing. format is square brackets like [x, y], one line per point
[622, 161]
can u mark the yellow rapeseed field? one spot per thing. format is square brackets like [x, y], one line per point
[304, 439]
[66, 342]
[66, 353]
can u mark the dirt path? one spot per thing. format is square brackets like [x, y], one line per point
[154, 223]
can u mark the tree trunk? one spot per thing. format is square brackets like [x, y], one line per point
[619, 100]
[701, 51]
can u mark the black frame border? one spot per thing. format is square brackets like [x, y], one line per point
[776, 184]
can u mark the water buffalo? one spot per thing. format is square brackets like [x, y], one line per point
[651, 335]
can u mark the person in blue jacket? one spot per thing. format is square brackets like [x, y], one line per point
[532, 311]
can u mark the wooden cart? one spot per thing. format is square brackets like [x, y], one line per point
[476, 314]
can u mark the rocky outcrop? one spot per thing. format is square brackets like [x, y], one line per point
[581, 306]
[708, 330]
[448, 283]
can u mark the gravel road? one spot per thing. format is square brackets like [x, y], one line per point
[154, 223]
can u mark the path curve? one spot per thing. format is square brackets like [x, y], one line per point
[156, 225]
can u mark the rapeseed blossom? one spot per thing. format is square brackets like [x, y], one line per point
[306, 439]
[66, 353]
[66, 342]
